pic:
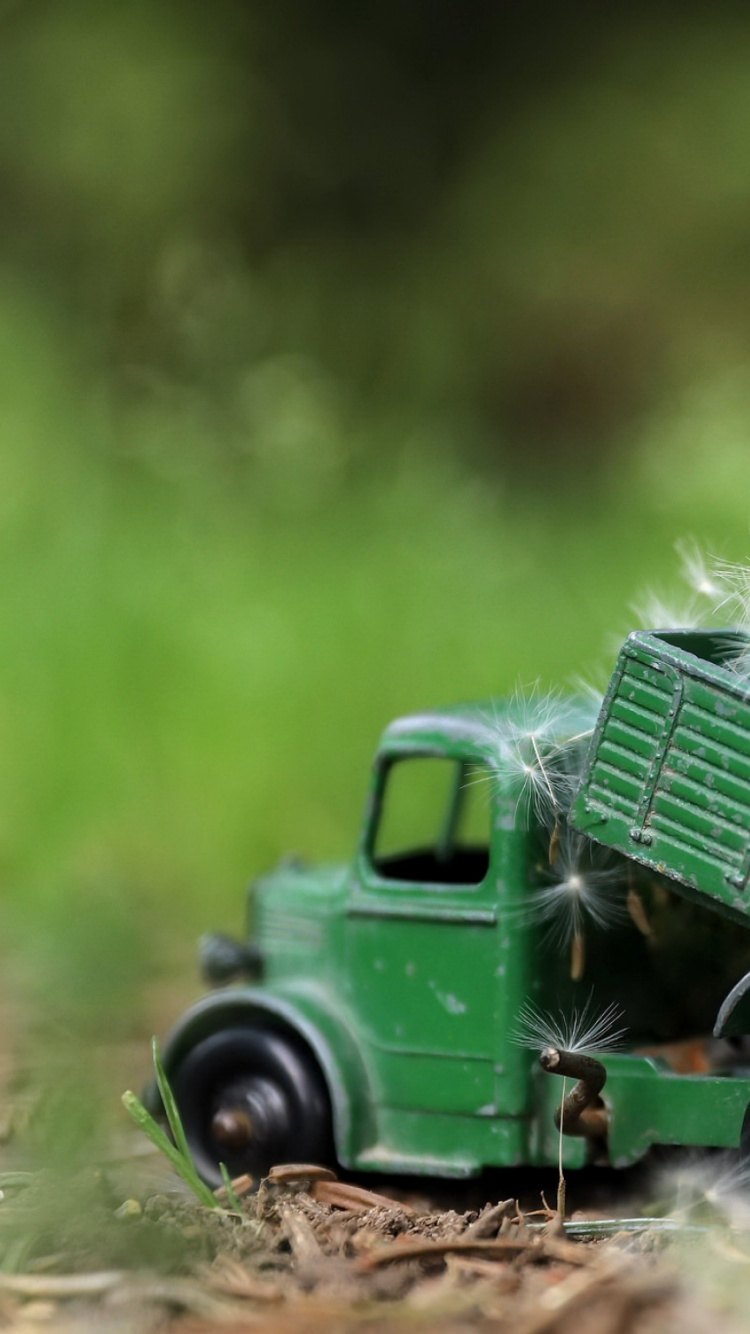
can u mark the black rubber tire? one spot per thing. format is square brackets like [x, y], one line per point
[279, 1084]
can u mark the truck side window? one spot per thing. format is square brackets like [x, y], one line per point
[433, 824]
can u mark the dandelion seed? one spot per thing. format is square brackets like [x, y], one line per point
[588, 690]
[577, 957]
[733, 652]
[719, 1181]
[637, 913]
[578, 894]
[728, 1193]
[704, 577]
[583, 1032]
[698, 571]
[654, 612]
[715, 584]
[734, 589]
[740, 665]
[734, 580]
[528, 745]
[576, 897]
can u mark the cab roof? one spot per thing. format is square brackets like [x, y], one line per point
[476, 731]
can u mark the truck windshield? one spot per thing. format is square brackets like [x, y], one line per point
[432, 822]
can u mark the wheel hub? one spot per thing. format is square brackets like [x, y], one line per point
[232, 1127]
[249, 1114]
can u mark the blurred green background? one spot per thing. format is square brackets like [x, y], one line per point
[352, 359]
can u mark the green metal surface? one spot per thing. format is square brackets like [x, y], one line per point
[668, 776]
[649, 1104]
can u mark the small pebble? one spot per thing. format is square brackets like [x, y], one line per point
[129, 1209]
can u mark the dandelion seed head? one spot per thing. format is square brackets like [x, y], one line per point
[583, 1031]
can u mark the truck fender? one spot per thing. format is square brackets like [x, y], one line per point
[307, 1016]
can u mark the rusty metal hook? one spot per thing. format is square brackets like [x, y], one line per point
[576, 1115]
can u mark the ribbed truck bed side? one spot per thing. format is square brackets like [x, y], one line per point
[667, 780]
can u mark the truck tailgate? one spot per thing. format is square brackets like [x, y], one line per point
[667, 779]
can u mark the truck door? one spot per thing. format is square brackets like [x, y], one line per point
[422, 935]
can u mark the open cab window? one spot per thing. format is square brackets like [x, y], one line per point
[432, 821]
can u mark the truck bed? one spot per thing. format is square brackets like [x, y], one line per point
[667, 778]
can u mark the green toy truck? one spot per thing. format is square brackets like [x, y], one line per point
[378, 1012]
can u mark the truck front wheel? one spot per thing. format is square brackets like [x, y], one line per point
[250, 1098]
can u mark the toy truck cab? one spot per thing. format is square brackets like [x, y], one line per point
[389, 986]
[381, 1028]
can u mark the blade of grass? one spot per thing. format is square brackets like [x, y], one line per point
[232, 1195]
[170, 1106]
[181, 1163]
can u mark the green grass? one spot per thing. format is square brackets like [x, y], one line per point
[175, 1150]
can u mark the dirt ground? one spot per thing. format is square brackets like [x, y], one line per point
[307, 1252]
